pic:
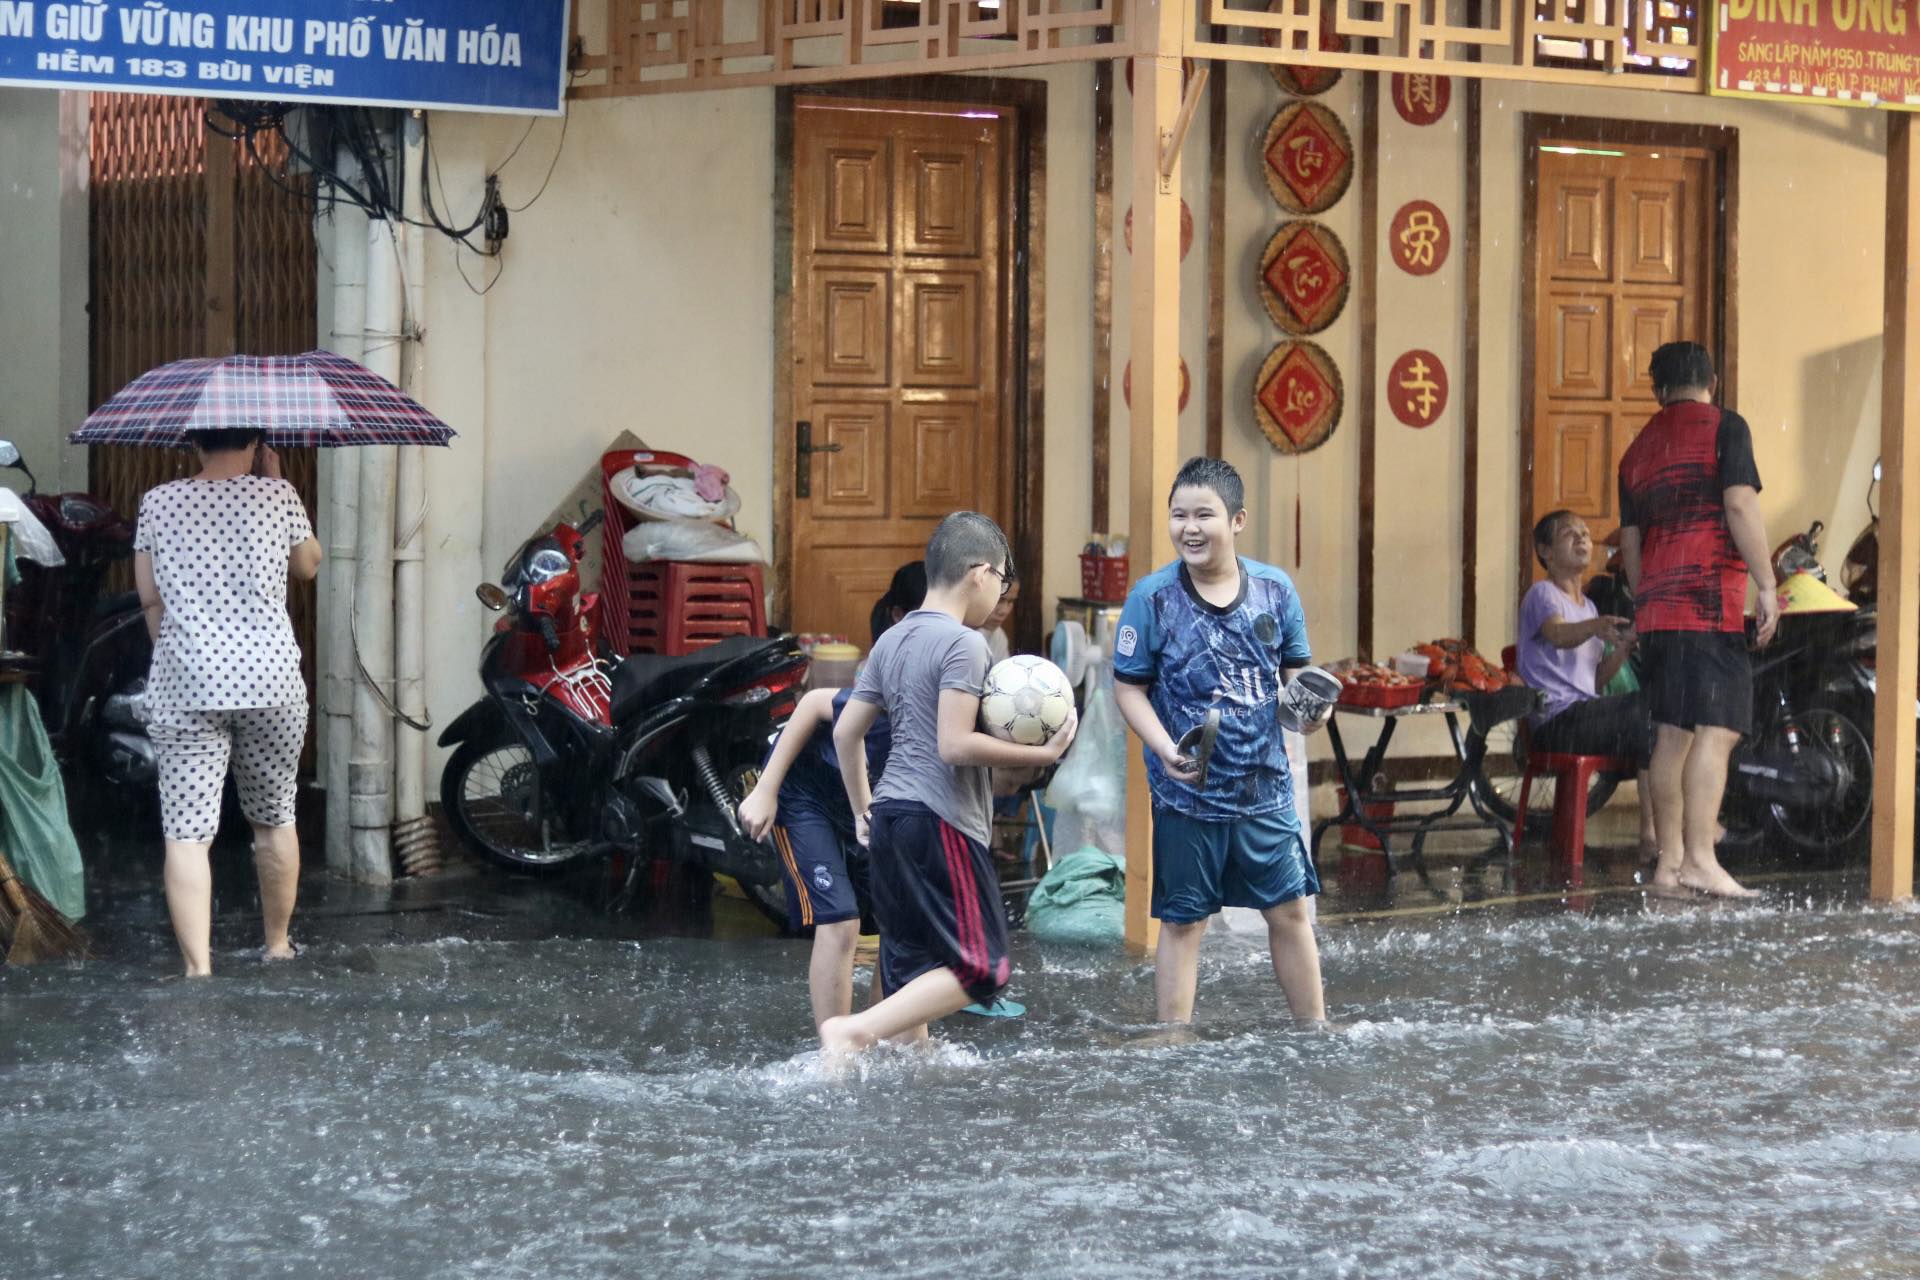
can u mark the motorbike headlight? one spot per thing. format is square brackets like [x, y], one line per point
[547, 563]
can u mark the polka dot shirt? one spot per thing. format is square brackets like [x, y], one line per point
[220, 550]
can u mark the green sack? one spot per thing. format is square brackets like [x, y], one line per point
[1624, 681]
[1081, 901]
[33, 807]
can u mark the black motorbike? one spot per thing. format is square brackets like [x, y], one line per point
[90, 651]
[574, 754]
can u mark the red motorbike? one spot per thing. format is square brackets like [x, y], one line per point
[574, 753]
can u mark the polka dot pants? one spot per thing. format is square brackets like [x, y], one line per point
[194, 749]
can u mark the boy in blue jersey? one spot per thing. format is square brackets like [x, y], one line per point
[801, 803]
[1216, 631]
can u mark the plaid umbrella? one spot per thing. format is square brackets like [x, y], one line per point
[317, 399]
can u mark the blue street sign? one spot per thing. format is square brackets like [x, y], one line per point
[461, 55]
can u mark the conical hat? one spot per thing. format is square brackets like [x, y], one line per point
[1804, 593]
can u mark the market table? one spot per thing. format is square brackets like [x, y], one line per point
[1483, 711]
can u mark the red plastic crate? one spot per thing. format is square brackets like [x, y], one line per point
[1103, 578]
[667, 606]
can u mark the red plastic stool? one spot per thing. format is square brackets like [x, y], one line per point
[1571, 776]
[675, 608]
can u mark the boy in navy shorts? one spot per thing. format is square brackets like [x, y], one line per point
[1216, 631]
[943, 927]
[800, 802]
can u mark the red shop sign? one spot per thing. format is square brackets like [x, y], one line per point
[1421, 99]
[1417, 388]
[1418, 238]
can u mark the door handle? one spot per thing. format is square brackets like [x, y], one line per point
[803, 450]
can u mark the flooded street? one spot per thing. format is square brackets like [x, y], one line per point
[1686, 1092]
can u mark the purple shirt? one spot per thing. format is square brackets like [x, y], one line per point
[1566, 676]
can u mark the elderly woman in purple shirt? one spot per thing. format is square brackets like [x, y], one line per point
[1570, 651]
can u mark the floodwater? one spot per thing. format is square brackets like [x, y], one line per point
[1682, 1092]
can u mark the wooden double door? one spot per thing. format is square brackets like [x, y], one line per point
[901, 342]
[1626, 256]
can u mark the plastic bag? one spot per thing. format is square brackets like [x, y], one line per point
[673, 496]
[1092, 780]
[31, 541]
[33, 807]
[1081, 901]
[690, 540]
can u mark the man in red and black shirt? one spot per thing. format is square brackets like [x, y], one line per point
[1690, 537]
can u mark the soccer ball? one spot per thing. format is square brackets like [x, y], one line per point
[1026, 701]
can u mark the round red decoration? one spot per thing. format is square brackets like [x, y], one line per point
[1309, 158]
[1304, 277]
[1297, 397]
[1418, 238]
[1417, 388]
[1186, 229]
[1421, 99]
[1304, 81]
[1126, 385]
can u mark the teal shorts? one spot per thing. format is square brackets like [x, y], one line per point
[1200, 867]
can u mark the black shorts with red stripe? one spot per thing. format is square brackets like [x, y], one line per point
[937, 895]
[825, 870]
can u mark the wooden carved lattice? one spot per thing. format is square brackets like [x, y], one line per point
[1574, 40]
[660, 46]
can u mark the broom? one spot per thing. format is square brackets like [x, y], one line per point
[31, 928]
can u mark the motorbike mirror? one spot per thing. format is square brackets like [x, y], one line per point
[9, 455]
[495, 598]
[1876, 471]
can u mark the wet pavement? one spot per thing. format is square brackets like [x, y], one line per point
[479, 1075]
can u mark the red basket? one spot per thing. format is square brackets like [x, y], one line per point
[1103, 578]
[1383, 696]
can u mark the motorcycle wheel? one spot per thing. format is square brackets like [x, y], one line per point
[770, 897]
[1502, 794]
[487, 793]
[1831, 834]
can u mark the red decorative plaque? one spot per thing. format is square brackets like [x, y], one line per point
[1186, 228]
[1306, 82]
[1309, 158]
[1418, 238]
[1421, 99]
[1417, 388]
[1297, 397]
[1126, 384]
[1304, 278]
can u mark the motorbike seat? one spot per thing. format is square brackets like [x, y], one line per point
[114, 605]
[647, 678]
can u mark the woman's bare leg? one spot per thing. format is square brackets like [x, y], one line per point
[276, 859]
[189, 884]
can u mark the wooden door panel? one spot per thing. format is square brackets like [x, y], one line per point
[1581, 463]
[851, 327]
[941, 448]
[1651, 218]
[856, 195]
[1580, 339]
[942, 182]
[941, 332]
[850, 483]
[1582, 247]
[900, 283]
[1646, 324]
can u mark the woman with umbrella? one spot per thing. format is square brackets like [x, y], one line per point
[213, 555]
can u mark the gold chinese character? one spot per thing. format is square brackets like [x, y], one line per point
[1306, 273]
[1303, 398]
[1423, 92]
[1420, 236]
[1424, 390]
[1307, 155]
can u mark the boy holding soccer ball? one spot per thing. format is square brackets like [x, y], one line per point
[1215, 631]
[943, 927]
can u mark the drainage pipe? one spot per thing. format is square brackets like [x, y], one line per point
[410, 641]
[339, 525]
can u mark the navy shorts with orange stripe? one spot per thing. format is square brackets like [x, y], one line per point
[938, 899]
[824, 867]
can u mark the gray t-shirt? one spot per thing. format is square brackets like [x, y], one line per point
[919, 656]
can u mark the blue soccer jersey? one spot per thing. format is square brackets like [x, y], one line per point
[1193, 656]
[814, 783]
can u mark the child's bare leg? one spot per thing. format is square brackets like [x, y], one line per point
[929, 997]
[1176, 969]
[830, 973]
[1296, 958]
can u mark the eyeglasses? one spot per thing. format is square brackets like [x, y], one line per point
[1006, 577]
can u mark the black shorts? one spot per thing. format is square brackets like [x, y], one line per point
[937, 896]
[825, 870]
[1617, 726]
[1699, 678]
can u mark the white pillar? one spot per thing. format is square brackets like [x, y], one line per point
[339, 530]
[410, 639]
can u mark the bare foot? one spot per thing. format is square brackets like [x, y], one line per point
[840, 1038]
[285, 951]
[1715, 882]
[1667, 884]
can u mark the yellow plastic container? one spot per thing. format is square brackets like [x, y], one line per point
[834, 666]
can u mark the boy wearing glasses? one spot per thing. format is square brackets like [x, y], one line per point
[943, 927]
